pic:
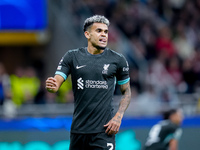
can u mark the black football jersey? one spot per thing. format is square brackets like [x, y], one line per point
[93, 82]
[161, 134]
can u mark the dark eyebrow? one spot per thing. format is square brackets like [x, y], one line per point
[106, 30]
[99, 29]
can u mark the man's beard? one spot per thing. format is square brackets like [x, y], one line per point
[99, 47]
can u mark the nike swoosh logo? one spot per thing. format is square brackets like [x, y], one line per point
[78, 67]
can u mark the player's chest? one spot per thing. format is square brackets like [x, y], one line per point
[95, 67]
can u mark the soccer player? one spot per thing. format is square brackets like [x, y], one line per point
[94, 70]
[165, 134]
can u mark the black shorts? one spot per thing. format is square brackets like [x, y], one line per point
[96, 141]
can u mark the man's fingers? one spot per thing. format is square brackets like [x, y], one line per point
[106, 125]
[50, 87]
[108, 129]
[112, 126]
[51, 82]
[109, 126]
[116, 130]
[51, 78]
[112, 129]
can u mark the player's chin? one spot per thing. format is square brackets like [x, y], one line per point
[101, 47]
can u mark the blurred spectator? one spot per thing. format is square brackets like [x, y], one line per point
[192, 20]
[158, 72]
[25, 85]
[16, 86]
[114, 37]
[173, 68]
[184, 48]
[148, 38]
[9, 109]
[176, 4]
[189, 76]
[196, 61]
[162, 82]
[138, 47]
[164, 43]
[163, 9]
[30, 84]
[5, 88]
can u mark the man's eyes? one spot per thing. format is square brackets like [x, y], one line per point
[102, 30]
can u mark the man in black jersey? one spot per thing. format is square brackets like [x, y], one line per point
[94, 70]
[165, 134]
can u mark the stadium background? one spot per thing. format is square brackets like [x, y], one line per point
[160, 39]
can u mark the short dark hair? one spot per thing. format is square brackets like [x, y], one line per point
[95, 19]
[168, 113]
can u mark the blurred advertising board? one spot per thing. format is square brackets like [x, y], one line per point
[23, 22]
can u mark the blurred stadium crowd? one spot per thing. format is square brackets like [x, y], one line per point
[166, 34]
[25, 87]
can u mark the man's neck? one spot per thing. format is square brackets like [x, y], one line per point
[94, 51]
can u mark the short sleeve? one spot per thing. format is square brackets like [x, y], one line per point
[64, 68]
[177, 134]
[122, 71]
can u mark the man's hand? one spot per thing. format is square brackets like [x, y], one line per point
[51, 85]
[114, 124]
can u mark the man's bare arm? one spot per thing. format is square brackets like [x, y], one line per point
[114, 124]
[173, 145]
[126, 98]
[54, 83]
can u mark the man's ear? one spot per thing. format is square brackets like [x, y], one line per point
[87, 34]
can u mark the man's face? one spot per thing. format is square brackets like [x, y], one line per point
[178, 117]
[98, 35]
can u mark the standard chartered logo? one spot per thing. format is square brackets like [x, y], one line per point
[91, 84]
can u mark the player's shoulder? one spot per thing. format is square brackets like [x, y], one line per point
[168, 124]
[74, 50]
[165, 123]
[114, 53]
